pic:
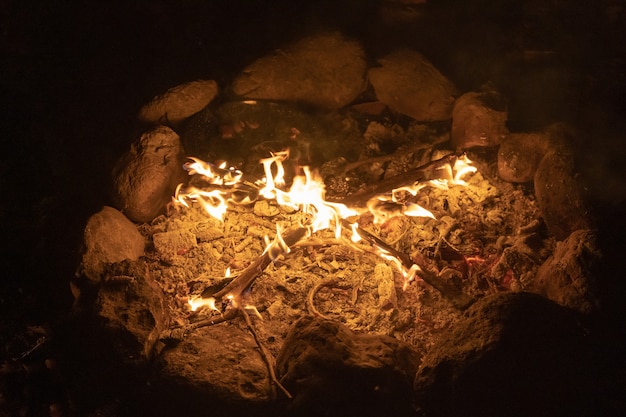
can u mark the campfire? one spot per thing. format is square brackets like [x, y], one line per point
[325, 255]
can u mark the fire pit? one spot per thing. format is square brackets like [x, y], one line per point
[343, 240]
[284, 229]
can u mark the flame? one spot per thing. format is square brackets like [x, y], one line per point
[462, 167]
[307, 194]
[384, 207]
[278, 246]
[454, 174]
[214, 201]
[196, 302]
[214, 174]
[355, 237]
[272, 181]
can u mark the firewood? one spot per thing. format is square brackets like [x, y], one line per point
[421, 173]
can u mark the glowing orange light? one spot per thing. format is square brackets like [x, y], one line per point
[196, 302]
[307, 194]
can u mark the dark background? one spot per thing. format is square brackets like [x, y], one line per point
[73, 75]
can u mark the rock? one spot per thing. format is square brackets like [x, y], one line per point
[251, 130]
[132, 311]
[387, 297]
[174, 242]
[178, 103]
[199, 132]
[217, 368]
[325, 71]
[479, 120]
[568, 276]
[208, 231]
[332, 371]
[519, 156]
[109, 237]
[561, 195]
[513, 354]
[146, 177]
[401, 15]
[409, 84]
[520, 153]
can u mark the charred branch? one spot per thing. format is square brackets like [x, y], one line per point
[458, 299]
[425, 172]
[246, 278]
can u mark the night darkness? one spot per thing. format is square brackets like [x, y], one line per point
[74, 74]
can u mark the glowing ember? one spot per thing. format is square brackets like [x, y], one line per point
[307, 195]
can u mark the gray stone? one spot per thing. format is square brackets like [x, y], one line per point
[479, 120]
[178, 103]
[146, 177]
[109, 237]
[513, 354]
[409, 84]
[568, 276]
[332, 371]
[325, 70]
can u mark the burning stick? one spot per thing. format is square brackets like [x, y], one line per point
[423, 172]
[179, 333]
[307, 194]
[458, 299]
[244, 280]
[267, 358]
[234, 289]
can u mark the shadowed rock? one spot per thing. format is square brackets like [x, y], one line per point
[479, 120]
[568, 276]
[332, 371]
[215, 369]
[514, 354]
[519, 154]
[561, 195]
[132, 311]
[409, 84]
[325, 71]
[146, 177]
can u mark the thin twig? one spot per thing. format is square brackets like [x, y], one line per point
[179, 333]
[458, 299]
[310, 298]
[423, 172]
[267, 358]
[442, 238]
[247, 277]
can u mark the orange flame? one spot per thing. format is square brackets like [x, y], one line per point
[307, 194]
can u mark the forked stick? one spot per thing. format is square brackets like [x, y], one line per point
[246, 278]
